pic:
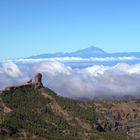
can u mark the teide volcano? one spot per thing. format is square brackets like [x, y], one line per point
[87, 53]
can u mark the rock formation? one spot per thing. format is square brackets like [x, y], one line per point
[38, 80]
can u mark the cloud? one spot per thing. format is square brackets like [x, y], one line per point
[97, 81]
[10, 74]
[65, 59]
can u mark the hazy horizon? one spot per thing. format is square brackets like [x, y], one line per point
[26, 57]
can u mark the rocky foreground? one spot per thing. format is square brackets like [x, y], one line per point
[33, 112]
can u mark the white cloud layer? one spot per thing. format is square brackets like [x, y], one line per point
[62, 59]
[98, 81]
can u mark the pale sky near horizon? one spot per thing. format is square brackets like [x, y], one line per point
[30, 27]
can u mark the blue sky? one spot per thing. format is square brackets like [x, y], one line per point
[30, 27]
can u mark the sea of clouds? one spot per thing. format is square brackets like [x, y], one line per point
[97, 81]
[63, 59]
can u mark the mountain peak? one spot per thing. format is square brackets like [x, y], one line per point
[91, 49]
[87, 52]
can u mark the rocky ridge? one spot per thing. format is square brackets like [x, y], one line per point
[37, 83]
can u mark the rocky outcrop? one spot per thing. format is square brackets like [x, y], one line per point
[38, 80]
[122, 116]
[11, 89]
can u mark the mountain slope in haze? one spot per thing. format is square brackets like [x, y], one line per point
[86, 53]
[37, 113]
[91, 50]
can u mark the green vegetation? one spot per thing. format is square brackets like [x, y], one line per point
[29, 111]
[32, 114]
[77, 108]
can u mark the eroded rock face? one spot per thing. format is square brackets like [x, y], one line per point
[38, 80]
[123, 116]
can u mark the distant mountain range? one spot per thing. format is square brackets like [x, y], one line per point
[86, 53]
